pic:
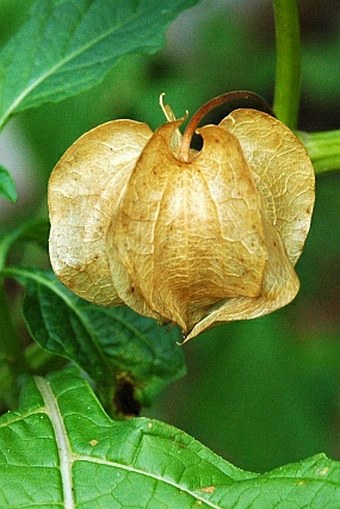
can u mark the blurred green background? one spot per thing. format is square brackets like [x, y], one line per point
[264, 392]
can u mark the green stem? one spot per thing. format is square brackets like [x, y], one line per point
[11, 350]
[288, 62]
[323, 148]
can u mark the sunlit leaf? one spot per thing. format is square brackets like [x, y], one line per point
[61, 450]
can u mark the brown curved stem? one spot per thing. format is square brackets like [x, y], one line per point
[239, 95]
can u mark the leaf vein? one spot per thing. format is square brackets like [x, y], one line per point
[130, 468]
[64, 449]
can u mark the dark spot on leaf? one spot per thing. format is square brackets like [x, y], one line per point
[124, 398]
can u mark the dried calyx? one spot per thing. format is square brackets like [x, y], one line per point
[196, 238]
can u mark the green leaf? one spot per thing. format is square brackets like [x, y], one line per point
[110, 344]
[61, 450]
[67, 46]
[7, 186]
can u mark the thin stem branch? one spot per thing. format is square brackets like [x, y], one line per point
[239, 95]
[288, 62]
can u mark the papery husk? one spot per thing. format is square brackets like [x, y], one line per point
[282, 171]
[85, 189]
[188, 234]
[197, 243]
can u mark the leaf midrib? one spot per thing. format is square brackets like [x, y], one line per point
[67, 457]
[63, 445]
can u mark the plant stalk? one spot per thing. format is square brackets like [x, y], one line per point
[323, 148]
[288, 62]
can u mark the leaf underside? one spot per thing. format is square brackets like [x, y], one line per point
[94, 36]
[104, 342]
[61, 450]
